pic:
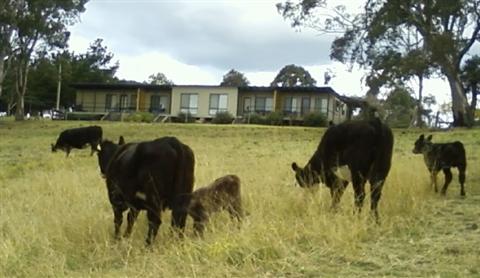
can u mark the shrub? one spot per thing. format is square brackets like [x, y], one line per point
[183, 117]
[223, 118]
[140, 117]
[274, 118]
[315, 119]
[255, 119]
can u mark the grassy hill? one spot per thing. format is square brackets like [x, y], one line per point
[55, 218]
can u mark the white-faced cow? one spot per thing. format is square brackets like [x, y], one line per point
[364, 147]
[442, 157]
[78, 138]
[152, 176]
[222, 194]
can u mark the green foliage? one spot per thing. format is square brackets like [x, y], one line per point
[256, 119]
[223, 118]
[140, 117]
[235, 79]
[399, 29]
[159, 79]
[274, 118]
[36, 23]
[293, 76]
[399, 107]
[315, 119]
[93, 66]
[184, 118]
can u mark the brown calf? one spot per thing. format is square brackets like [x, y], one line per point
[222, 194]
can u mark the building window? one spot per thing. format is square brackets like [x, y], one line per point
[263, 104]
[189, 103]
[321, 105]
[158, 104]
[218, 103]
[111, 103]
[247, 105]
[305, 105]
[123, 102]
[290, 105]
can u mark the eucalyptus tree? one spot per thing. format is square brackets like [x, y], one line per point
[448, 30]
[234, 78]
[471, 79]
[293, 76]
[37, 24]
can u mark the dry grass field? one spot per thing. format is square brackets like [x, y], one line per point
[56, 220]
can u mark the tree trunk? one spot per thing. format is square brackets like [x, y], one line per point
[473, 104]
[419, 103]
[21, 89]
[460, 107]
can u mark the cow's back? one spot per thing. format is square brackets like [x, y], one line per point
[163, 167]
[368, 142]
[449, 154]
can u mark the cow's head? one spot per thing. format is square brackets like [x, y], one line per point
[54, 148]
[422, 144]
[105, 153]
[306, 177]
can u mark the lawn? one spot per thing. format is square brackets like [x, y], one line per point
[56, 220]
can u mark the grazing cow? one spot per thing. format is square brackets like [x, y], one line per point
[152, 176]
[364, 148]
[222, 194]
[77, 138]
[442, 157]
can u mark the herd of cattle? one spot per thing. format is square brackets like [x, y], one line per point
[159, 174]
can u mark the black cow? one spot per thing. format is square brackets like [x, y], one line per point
[362, 147]
[442, 157]
[78, 138]
[222, 194]
[152, 176]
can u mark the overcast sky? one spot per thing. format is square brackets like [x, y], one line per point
[198, 41]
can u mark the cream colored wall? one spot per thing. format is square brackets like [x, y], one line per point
[204, 98]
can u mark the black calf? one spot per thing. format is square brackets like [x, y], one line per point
[442, 157]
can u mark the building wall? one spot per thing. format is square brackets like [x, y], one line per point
[203, 103]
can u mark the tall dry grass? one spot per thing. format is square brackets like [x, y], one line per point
[55, 218]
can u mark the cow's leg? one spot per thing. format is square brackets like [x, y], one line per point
[154, 221]
[376, 185]
[235, 209]
[461, 178]
[93, 148]
[337, 188]
[200, 218]
[448, 179]
[433, 179]
[67, 151]
[131, 217]
[179, 217]
[358, 183]
[118, 219]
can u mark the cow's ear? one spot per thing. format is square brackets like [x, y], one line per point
[421, 137]
[295, 167]
[99, 147]
[121, 140]
[429, 138]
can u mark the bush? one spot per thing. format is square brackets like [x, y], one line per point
[185, 118]
[140, 117]
[315, 119]
[274, 118]
[255, 119]
[223, 118]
